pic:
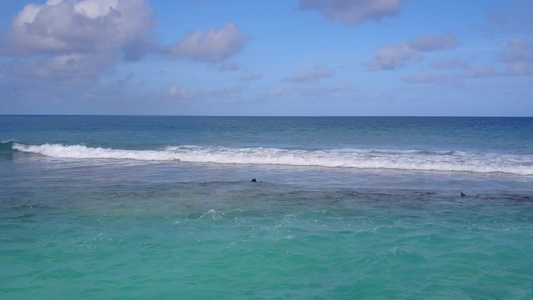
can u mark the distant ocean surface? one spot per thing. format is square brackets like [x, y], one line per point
[135, 207]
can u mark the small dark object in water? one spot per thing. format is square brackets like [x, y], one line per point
[463, 195]
[254, 180]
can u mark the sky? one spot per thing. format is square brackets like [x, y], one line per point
[267, 57]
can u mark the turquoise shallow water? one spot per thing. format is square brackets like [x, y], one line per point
[125, 228]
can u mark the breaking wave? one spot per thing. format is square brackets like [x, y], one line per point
[455, 161]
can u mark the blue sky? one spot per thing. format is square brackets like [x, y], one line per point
[267, 57]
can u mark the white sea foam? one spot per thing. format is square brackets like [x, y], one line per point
[458, 161]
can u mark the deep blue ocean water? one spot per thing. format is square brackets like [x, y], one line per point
[131, 207]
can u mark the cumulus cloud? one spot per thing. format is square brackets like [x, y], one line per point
[456, 78]
[353, 12]
[430, 42]
[67, 66]
[78, 38]
[213, 46]
[70, 39]
[515, 60]
[80, 27]
[320, 72]
[518, 58]
[391, 57]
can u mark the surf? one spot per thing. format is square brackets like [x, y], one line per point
[422, 160]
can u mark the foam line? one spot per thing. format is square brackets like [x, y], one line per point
[459, 161]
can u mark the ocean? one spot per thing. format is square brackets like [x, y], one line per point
[162, 207]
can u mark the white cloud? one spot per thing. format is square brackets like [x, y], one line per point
[515, 60]
[81, 27]
[518, 58]
[391, 57]
[69, 39]
[320, 72]
[214, 46]
[76, 39]
[432, 42]
[353, 12]
[178, 92]
[67, 66]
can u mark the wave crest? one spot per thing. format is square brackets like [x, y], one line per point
[458, 161]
